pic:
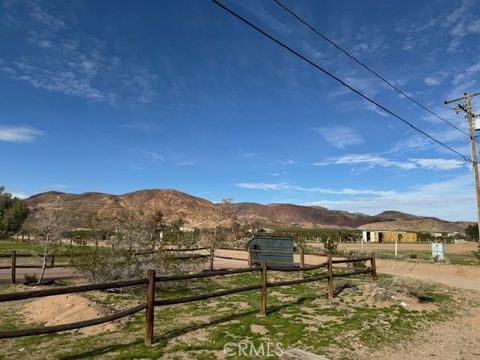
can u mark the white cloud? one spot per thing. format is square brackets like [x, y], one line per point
[263, 186]
[371, 161]
[340, 136]
[435, 79]
[72, 62]
[286, 186]
[58, 186]
[452, 199]
[19, 134]
[20, 195]
[372, 107]
[266, 17]
[438, 164]
[286, 162]
[153, 156]
[143, 125]
[414, 143]
[366, 159]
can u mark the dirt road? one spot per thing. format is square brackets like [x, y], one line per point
[55, 273]
[461, 276]
[403, 247]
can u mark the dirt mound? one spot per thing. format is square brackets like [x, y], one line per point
[64, 309]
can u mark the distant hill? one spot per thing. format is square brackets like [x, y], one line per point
[198, 212]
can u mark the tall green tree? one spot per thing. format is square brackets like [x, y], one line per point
[13, 212]
[471, 232]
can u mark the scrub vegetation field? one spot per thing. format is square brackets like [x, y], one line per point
[361, 318]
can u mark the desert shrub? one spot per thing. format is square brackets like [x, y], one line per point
[355, 254]
[115, 263]
[329, 245]
[30, 279]
[390, 288]
[135, 247]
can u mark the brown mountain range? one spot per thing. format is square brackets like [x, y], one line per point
[198, 212]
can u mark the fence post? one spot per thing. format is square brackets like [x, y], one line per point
[150, 310]
[302, 263]
[212, 257]
[250, 258]
[52, 263]
[263, 291]
[14, 267]
[330, 277]
[373, 265]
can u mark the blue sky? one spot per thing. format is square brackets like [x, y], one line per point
[116, 96]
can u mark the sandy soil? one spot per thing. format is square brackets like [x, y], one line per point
[449, 248]
[461, 276]
[455, 339]
[64, 309]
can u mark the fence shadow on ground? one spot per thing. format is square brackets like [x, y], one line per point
[162, 339]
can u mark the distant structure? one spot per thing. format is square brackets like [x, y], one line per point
[388, 236]
[274, 250]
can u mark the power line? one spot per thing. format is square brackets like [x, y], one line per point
[326, 72]
[324, 37]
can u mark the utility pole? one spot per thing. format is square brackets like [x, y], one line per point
[467, 108]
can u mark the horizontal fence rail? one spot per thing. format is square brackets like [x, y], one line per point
[151, 280]
[70, 290]
[206, 274]
[215, 294]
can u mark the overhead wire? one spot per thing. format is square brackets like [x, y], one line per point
[368, 68]
[334, 77]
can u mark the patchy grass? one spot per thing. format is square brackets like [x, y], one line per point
[298, 316]
[9, 246]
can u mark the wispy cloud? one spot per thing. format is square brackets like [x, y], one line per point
[19, 134]
[412, 144]
[142, 125]
[72, 62]
[246, 154]
[58, 186]
[340, 136]
[438, 164]
[287, 186]
[432, 199]
[286, 162]
[435, 79]
[153, 156]
[370, 40]
[256, 8]
[371, 161]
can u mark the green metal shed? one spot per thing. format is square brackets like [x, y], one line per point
[275, 250]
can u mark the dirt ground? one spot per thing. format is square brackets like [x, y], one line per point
[55, 273]
[64, 309]
[461, 276]
[449, 248]
[455, 339]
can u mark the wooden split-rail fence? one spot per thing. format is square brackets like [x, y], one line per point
[15, 255]
[152, 280]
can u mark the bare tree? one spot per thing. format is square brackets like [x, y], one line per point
[128, 253]
[49, 227]
[224, 227]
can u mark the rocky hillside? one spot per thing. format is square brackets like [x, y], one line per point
[201, 213]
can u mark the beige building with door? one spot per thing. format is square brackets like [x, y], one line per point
[387, 236]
